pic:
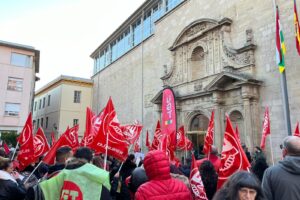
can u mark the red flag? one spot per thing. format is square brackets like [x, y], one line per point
[237, 133]
[53, 140]
[93, 124]
[25, 140]
[41, 145]
[169, 116]
[157, 136]
[88, 126]
[6, 149]
[137, 147]
[72, 137]
[183, 143]
[64, 140]
[297, 28]
[110, 130]
[131, 132]
[196, 182]
[147, 140]
[233, 158]
[209, 138]
[297, 132]
[266, 129]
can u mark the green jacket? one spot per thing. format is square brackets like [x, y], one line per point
[83, 183]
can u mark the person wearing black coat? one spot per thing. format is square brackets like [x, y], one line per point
[119, 189]
[11, 187]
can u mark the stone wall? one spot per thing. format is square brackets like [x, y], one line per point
[134, 79]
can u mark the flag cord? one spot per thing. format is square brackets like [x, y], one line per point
[106, 148]
[12, 158]
[270, 139]
[33, 172]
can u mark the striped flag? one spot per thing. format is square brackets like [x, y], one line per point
[280, 46]
[297, 28]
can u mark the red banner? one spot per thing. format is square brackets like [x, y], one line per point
[266, 129]
[196, 182]
[25, 155]
[169, 115]
[41, 145]
[233, 157]
[209, 138]
[111, 133]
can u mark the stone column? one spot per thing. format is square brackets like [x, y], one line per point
[248, 123]
[256, 124]
[219, 119]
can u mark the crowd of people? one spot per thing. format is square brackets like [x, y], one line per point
[85, 175]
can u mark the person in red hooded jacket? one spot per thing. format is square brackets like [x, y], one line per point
[160, 185]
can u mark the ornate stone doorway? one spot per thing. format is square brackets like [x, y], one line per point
[197, 130]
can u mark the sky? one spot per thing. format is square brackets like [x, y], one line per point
[65, 31]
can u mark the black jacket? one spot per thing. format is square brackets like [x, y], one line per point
[282, 181]
[9, 190]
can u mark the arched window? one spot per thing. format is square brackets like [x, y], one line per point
[237, 119]
[197, 131]
[198, 63]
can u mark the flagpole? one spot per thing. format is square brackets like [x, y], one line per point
[12, 158]
[106, 148]
[33, 172]
[123, 162]
[284, 91]
[270, 139]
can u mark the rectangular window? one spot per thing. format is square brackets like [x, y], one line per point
[127, 40]
[15, 84]
[75, 121]
[42, 122]
[137, 33]
[157, 12]
[38, 123]
[107, 57]
[102, 61]
[33, 124]
[120, 46]
[46, 122]
[12, 109]
[35, 104]
[40, 104]
[114, 51]
[77, 95]
[44, 102]
[20, 60]
[172, 4]
[147, 25]
[49, 98]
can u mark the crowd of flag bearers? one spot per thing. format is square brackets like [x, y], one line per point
[100, 166]
[102, 160]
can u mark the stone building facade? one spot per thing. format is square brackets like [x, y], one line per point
[216, 55]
